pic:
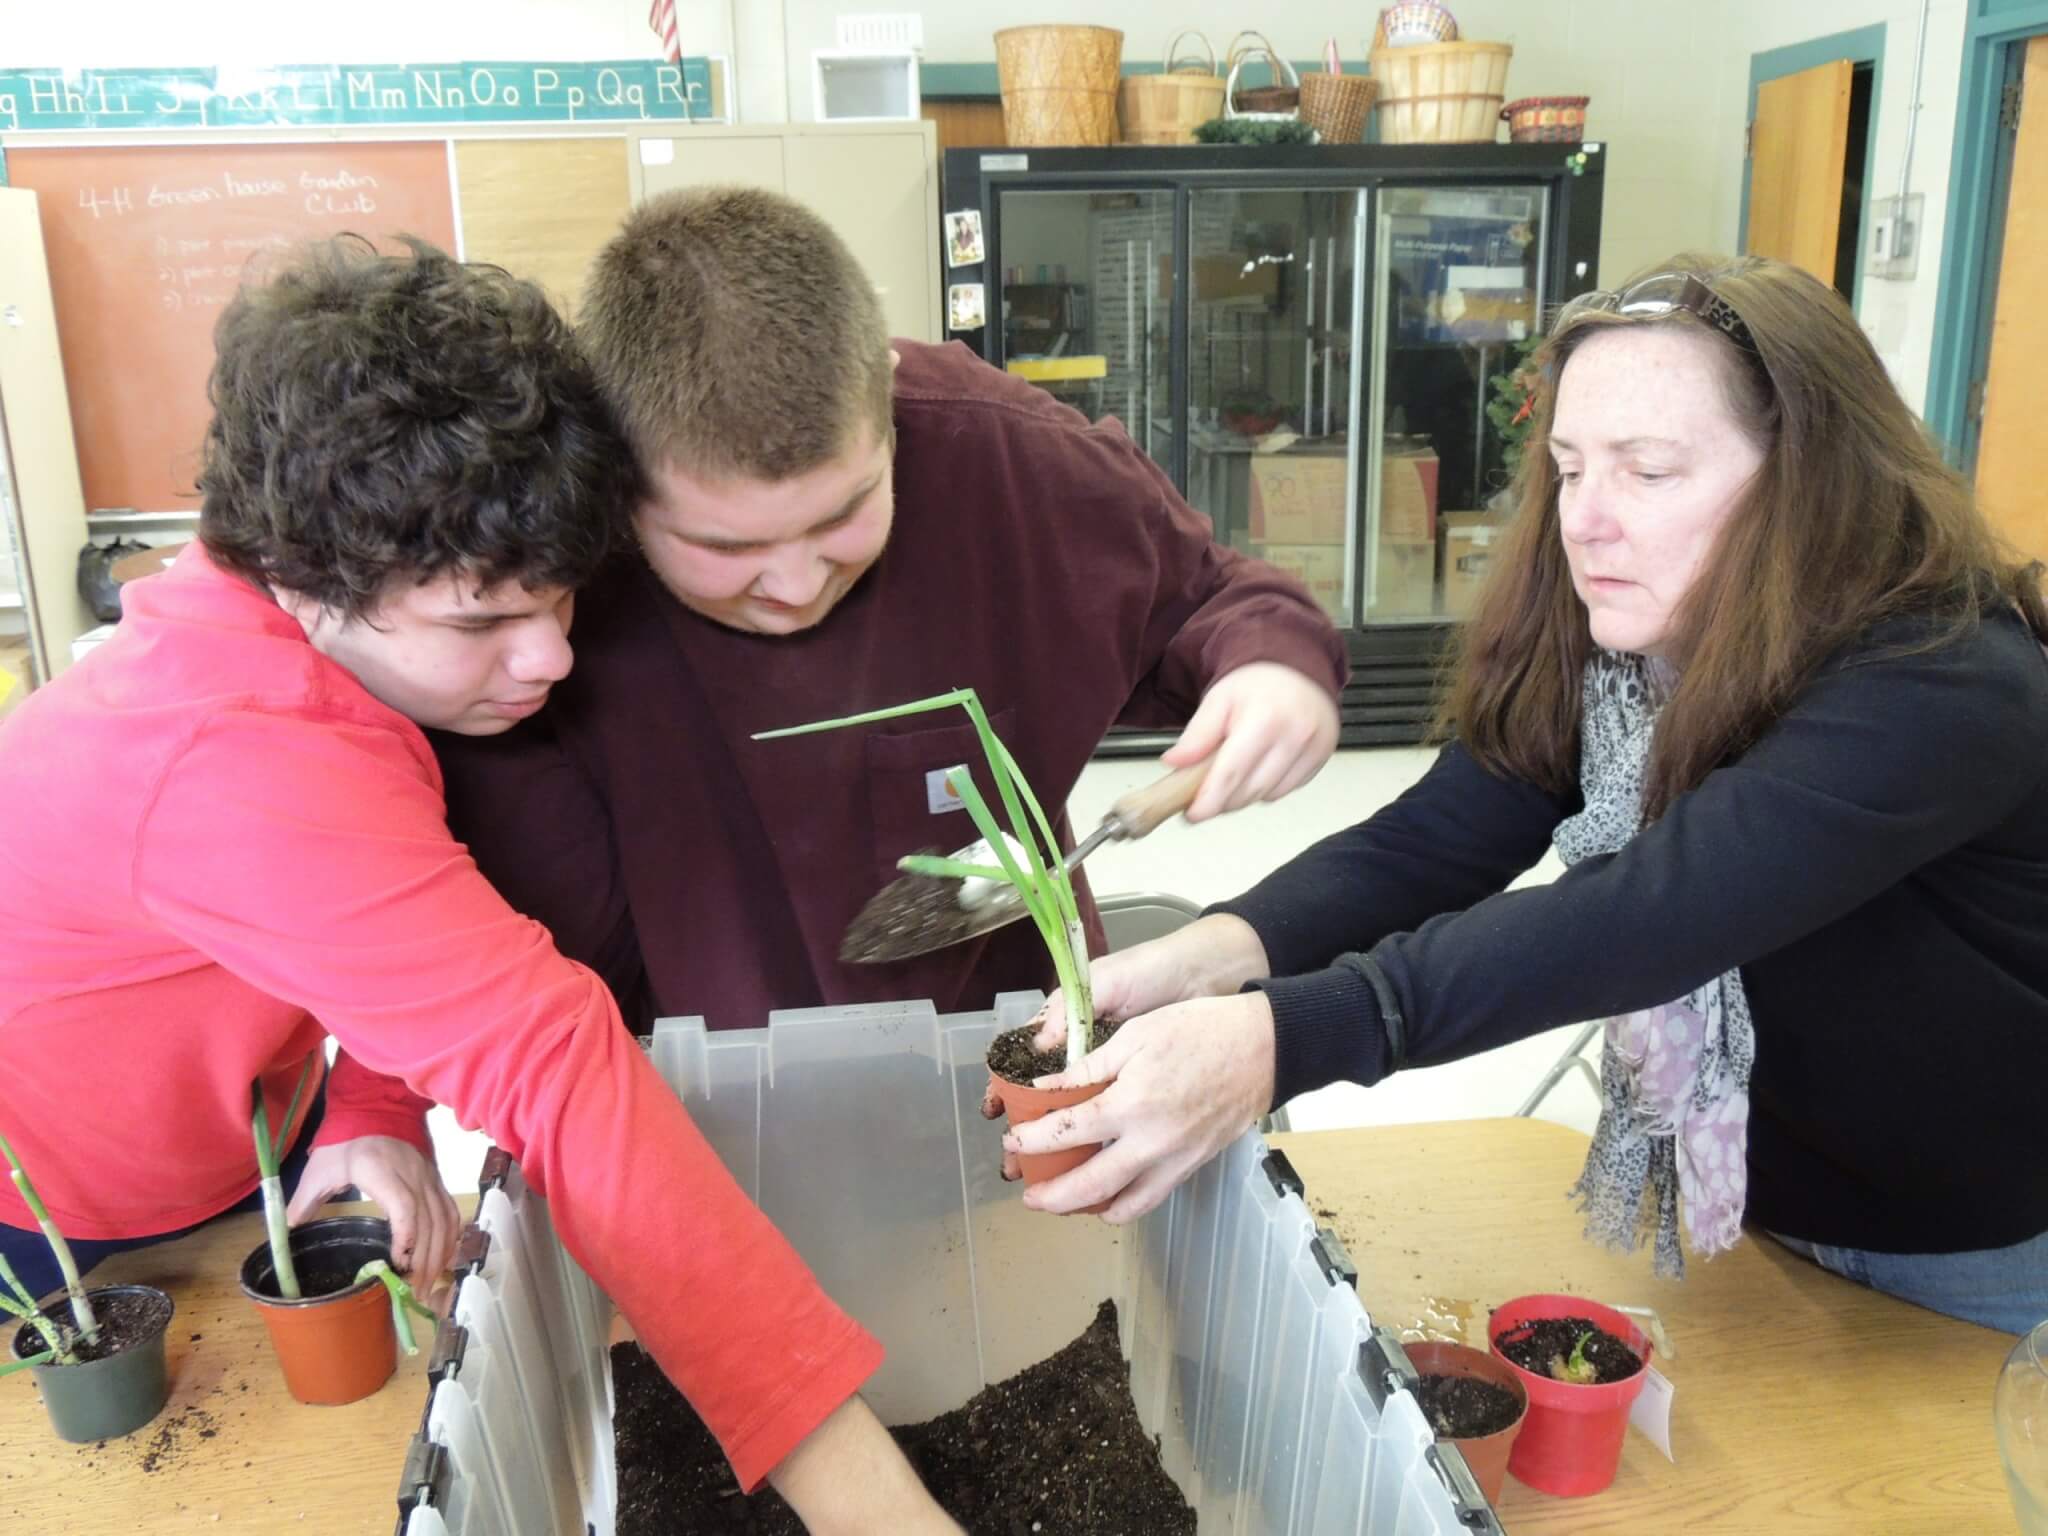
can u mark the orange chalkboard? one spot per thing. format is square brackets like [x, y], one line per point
[146, 245]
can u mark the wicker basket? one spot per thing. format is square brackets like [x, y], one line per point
[1059, 84]
[1280, 99]
[1441, 93]
[1167, 108]
[1546, 119]
[1336, 105]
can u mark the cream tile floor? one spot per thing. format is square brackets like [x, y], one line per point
[1210, 862]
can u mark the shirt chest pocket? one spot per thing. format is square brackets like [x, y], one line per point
[910, 807]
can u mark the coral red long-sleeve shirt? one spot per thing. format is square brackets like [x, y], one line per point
[216, 843]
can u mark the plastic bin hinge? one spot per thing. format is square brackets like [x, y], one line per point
[471, 1249]
[497, 1166]
[1281, 1175]
[1384, 1367]
[451, 1343]
[1467, 1502]
[1333, 1258]
[425, 1478]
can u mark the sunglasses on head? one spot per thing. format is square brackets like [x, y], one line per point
[1663, 294]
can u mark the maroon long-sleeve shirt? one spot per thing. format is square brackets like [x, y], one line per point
[1042, 560]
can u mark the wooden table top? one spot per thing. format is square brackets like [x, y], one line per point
[1804, 1403]
[231, 1452]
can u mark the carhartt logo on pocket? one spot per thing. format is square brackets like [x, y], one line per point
[938, 794]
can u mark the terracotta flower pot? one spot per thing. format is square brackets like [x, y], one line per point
[336, 1344]
[1486, 1455]
[1022, 1104]
[1570, 1442]
[101, 1399]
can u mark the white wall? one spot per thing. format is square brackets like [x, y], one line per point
[1640, 61]
[1899, 315]
[1668, 78]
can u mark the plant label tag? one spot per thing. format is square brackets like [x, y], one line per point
[939, 796]
[1651, 1412]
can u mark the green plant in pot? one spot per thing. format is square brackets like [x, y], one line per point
[1024, 855]
[1510, 403]
[335, 1309]
[97, 1355]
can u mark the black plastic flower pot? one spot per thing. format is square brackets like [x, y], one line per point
[120, 1382]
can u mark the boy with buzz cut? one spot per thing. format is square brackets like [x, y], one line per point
[831, 522]
[232, 844]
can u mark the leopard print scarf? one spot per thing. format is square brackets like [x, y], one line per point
[1672, 1138]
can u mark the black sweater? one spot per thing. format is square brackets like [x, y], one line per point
[1876, 864]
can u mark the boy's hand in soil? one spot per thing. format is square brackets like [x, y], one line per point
[1211, 956]
[1184, 1083]
[397, 1175]
[847, 1477]
[1270, 728]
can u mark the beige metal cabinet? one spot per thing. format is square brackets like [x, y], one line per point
[41, 499]
[877, 184]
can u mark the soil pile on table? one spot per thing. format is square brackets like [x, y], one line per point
[1056, 1448]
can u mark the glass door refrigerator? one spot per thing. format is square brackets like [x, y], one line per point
[1307, 339]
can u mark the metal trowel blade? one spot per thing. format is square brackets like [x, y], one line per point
[915, 914]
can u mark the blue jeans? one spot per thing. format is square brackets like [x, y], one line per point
[2002, 1288]
[30, 1254]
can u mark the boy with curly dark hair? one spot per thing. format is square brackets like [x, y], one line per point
[239, 846]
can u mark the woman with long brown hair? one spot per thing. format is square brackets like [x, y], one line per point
[1756, 666]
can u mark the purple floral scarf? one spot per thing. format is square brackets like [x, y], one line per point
[1672, 1138]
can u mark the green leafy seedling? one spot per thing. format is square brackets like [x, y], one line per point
[81, 1307]
[1578, 1370]
[403, 1300]
[269, 1155]
[1039, 875]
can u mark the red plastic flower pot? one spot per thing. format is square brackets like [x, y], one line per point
[1570, 1442]
[1022, 1104]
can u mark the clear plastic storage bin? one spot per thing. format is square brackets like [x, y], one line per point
[1280, 1409]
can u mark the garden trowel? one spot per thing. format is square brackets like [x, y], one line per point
[914, 914]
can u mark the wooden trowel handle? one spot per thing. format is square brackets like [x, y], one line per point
[1144, 808]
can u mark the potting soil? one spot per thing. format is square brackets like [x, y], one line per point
[1534, 1345]
[126, 1319]
[1012, 1057]
[1463, 1408]
[1055, 1448]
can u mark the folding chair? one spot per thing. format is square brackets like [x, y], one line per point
[1562, 1067]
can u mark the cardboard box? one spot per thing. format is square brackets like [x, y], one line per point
[1404, 579]
[1298, 498]
[1234, 275]
[1408, 478]
[1319, 567]
[1471, 541]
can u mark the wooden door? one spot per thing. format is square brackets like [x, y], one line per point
[2012, 450]
[1798, 149]
[45, 502]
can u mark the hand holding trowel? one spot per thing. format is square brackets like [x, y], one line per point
[918, 913]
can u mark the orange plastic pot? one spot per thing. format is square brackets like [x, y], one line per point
[1570, 1442]
[1022, 1104]
[340, 1346]
[1486, 1455]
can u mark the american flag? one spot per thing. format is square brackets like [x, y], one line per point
[661, 16]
